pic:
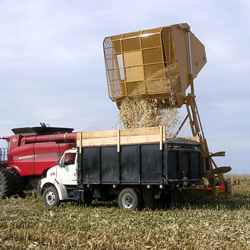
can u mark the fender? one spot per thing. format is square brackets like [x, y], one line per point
[61, 190]
[19, 170]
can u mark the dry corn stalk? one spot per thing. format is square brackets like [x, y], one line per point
[146, 113]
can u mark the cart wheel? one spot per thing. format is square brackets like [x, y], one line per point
[50, 197]
[129, 199]
[18, 182]
[6, 183]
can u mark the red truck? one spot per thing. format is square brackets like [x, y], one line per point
[31, 152]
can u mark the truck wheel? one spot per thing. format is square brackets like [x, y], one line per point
[129, 199]
[18, 183]
[6, 184]
[50, 197]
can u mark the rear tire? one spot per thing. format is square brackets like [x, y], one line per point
[18, 183]
[129, 199]
[6, 183]
[50, 197]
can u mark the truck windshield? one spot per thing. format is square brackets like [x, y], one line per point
[69, 158]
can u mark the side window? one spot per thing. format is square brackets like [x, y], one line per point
[69, 159]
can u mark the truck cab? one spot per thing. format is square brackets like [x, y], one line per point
[67, 169]
[60, 180]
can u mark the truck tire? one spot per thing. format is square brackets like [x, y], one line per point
[18, 183]
[129, 199]
[50, 197]
[6, 183]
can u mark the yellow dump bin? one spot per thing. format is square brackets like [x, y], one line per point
[152, 63]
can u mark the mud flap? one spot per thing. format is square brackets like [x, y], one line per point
[148, 197]
[174, 196]
[85, 196]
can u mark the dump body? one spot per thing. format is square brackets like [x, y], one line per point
[144, 164]
[127, 156]
[154, 63]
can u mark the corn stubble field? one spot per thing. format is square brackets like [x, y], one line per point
[221, 223]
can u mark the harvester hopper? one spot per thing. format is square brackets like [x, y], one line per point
[153, 64]
[160, 64]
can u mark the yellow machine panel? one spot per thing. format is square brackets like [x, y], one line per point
[154, 63]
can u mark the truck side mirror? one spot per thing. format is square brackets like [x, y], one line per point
[61, 162]
[59, 158]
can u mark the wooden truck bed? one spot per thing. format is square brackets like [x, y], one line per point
[125, 137]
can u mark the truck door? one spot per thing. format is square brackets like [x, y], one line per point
[67, 170]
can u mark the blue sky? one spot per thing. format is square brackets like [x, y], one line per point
[52, 66]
